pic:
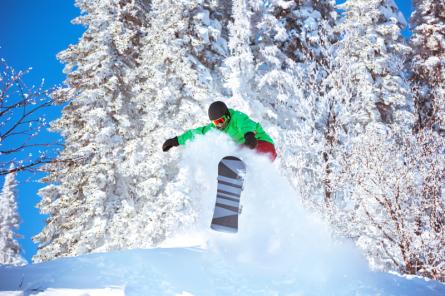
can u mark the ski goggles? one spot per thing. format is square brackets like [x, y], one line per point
[220, 121]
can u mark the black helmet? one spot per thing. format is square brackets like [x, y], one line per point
[217, 110]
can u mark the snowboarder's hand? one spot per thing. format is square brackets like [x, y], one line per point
[251, 141]
[173, 142]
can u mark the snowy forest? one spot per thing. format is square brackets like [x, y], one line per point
[356, 110]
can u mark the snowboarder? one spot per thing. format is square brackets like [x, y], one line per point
[236, 124]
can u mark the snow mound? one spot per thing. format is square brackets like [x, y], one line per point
[192, 271]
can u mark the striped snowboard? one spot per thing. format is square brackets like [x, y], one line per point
[231, 171]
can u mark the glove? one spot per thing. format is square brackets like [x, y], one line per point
[251, 141]
[173, 142]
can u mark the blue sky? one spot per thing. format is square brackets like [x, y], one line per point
[32, 32]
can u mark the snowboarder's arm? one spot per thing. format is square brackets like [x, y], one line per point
[190, 134]
[244, 124]
[247, 127]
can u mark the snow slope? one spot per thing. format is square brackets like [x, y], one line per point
[279, 249]
[192, 271]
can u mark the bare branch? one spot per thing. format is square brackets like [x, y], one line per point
[22, 122]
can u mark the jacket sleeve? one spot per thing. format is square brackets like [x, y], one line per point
[244, 124]
[190, 134]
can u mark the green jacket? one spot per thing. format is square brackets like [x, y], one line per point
[238, 125]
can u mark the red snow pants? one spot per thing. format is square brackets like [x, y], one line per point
[266, 148]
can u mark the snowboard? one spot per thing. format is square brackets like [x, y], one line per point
[231, 171]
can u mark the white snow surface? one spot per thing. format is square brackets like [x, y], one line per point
[280, 249]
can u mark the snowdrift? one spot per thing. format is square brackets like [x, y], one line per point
[279, 249]
[192, 271]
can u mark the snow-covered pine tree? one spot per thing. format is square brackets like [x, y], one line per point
[101, 116]
[179, 77]
[9, 223]
[428, 63]
[366, 84]
[300, 30]
[140, 74]
[368, 88]
[292, 59]
[310, 29]
[369, 78]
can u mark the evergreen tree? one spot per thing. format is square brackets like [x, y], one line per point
[428, 63]
[9, 223]
[90, 190]
[369, 78]
[180, 75]
[140, 73]
[292, 55]
[368, 89]
[290, 46]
